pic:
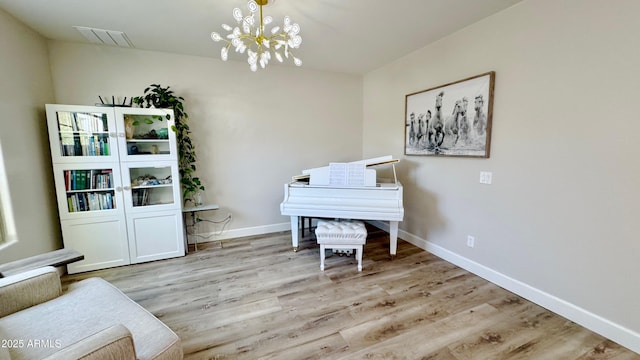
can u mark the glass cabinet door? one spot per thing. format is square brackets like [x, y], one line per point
[81, 134]
[146, 134]
[151, 186]
[87, 190]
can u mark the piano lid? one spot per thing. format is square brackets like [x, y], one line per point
[349, 174]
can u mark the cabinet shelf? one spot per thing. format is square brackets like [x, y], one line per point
[151, 186]
[146, 140]
[83, 132]
[90, 190]
[154, 204]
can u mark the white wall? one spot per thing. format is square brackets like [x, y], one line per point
[252, 131]
[559, 223]
[25, 86]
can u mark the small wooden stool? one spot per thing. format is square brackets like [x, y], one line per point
[345, 234]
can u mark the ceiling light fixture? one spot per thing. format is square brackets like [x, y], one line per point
[250, 36]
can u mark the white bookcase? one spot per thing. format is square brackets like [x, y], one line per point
[117, 184]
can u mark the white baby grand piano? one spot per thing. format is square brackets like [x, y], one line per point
[345, 191]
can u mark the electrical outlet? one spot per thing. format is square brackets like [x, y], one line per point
[485, 177]
[471, 241]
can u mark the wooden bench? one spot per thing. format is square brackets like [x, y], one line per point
[54, 258]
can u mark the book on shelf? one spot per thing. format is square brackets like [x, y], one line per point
[93, 179]
[89, 122]
[79, 202]
[140, 197]
[81, 122]
[85, 145]
[87, 180]
[66, 121]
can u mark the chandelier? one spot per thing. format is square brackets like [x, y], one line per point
[250, 36]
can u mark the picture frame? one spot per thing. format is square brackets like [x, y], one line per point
[438, 121]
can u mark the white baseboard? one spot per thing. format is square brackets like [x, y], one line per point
[623, 336]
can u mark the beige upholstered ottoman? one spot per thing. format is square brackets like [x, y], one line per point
[343, 234]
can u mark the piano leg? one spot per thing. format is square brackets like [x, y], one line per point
[393, 238]
[294, 232]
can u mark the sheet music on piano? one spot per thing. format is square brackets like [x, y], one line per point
[346, 174]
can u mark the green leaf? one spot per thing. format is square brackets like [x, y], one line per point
[163, 97]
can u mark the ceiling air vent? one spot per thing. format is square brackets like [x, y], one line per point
[105, 37]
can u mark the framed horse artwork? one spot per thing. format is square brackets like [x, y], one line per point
[439, 121]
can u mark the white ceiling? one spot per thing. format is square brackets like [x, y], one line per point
[349, 36]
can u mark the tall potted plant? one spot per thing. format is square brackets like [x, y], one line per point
[162, 97]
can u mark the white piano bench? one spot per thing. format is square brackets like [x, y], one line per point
[341, 234]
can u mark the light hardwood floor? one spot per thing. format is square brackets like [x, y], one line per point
[257, 299]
